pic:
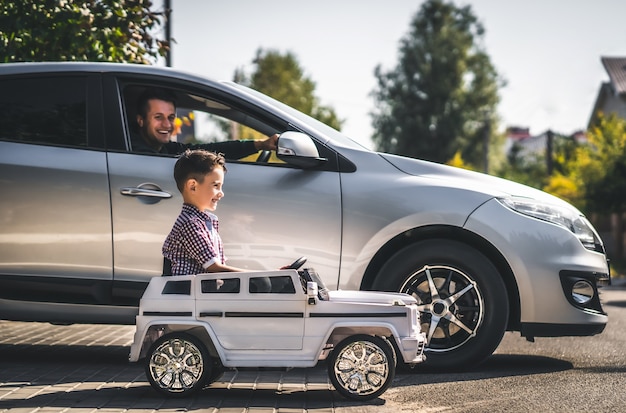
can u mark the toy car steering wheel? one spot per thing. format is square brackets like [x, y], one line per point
[296, 264]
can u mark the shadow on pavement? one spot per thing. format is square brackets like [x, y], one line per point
[144, 397]
[65, 353]
[497, 365]
[100, 377]
[615, 303]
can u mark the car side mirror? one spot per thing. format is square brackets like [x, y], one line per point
[297, 148]
[311, 292]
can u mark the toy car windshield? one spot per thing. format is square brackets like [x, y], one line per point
[309, 274]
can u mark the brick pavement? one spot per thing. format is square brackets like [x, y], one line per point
[84, 368]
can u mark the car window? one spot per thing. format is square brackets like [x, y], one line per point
[202, 119]
[177, 287]
[46, 110]
[337, 136]
[273, 285]
[222, 285]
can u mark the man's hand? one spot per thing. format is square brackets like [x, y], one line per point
[268, 144]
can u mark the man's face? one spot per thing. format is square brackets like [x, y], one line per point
[158, 124]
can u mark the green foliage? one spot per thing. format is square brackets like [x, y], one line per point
[529, 170]
[600, 166]
[565, 188]
[458, 162]
[561, 182]
[589, 175]
[281, 77]
[442, 94]
[532, 170]
[73, 30]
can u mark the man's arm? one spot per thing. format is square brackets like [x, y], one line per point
[231, 149]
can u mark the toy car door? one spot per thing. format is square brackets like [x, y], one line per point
[259, 312]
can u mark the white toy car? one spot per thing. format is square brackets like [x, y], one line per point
[190, 328]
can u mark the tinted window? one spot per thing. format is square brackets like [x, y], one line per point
[274, 285]
[177, 287]
[44, 110]
[226, 285]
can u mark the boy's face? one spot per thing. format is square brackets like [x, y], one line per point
[206, 194]
[158, 124]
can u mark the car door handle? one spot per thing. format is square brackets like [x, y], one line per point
[139, 191]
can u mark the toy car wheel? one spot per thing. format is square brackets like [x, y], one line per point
[178, 365]
[461, 297]
[362, 367]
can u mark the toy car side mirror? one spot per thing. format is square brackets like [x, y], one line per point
[311, 292]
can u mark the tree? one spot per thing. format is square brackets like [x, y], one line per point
[526, 169]
[442, 94]
[560, 180]
[599, 169]
[68, 30]
[600, 166]
[281, 77]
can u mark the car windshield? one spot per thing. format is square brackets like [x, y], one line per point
[313, 123]
[309, 274]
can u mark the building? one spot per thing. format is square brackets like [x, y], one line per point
[530, 146]
[612, 94]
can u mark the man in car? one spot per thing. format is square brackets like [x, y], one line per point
[156, 113]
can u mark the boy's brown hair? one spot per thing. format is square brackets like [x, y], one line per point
[196, 164]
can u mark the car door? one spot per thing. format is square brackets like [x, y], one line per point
[144, 205]
[271, 213]
[268, 217]
[247, 319]
[55, 220]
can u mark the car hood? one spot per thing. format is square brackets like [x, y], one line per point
[470, 180]
[370, 297]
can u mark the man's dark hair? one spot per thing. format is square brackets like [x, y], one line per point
[196, 164]
[153, 93]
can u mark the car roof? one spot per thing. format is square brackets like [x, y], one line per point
[60, 68]
[100, 67]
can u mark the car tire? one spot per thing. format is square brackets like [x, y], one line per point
[362, 367]
[462, 300]
[177, 365]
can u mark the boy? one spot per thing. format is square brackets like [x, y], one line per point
[194, 245]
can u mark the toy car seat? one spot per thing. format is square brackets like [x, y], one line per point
[167, 267]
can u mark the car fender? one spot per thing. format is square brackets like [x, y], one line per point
[341, 330]
[148, 332]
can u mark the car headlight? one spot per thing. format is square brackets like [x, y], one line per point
[566, 217]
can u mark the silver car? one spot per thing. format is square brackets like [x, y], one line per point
[83, 217]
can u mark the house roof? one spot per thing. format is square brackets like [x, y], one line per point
[616, 68]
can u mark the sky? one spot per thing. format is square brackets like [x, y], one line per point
[547, 51]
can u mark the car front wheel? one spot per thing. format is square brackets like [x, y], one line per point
[178, 365]
[461, 297]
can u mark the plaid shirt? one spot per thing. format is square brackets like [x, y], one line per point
[194, 243]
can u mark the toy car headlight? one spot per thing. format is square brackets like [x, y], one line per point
[565, 217]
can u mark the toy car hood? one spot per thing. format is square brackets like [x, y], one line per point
[371, 297]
